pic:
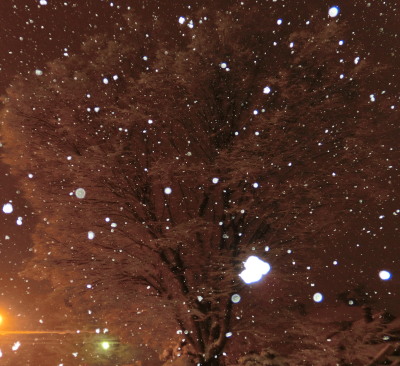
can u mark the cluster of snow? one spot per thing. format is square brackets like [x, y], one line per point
[255, 268]
[190, 24]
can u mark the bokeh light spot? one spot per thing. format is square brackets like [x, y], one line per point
[318, 297]
[333, 11]
[385, 275]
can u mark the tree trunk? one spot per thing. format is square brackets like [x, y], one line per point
[214, 362]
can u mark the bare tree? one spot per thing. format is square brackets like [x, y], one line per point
[158, 168]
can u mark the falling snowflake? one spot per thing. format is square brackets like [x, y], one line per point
[8, 208]
[267, 90]
[334, 11]
[385, 275]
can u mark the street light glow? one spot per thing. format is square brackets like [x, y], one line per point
[105, 345]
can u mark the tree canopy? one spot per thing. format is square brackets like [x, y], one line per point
[158, 166]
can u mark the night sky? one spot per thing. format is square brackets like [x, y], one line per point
[32, 34]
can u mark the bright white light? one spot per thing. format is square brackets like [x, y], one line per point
[167, 190]
[318, 297]
[105, 345]
[267, 90]
[255, 268]
[250, 276]
[333, 11]
[341, 43]
[279, 21]
[115, 77]
[181, 20]
[356, 60]
[96, 109]
[19, 220]
[229, 334]
[43, 2]
[223, 65]
[385, 275]
[7, 208]
[16, 345]
[372, 98]
[38, 72]
[105, 81]
[235, 298]
[80, 193]
[255, 185]
[90, 235]
[215, 180]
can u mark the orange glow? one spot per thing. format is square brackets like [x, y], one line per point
[6, 332]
